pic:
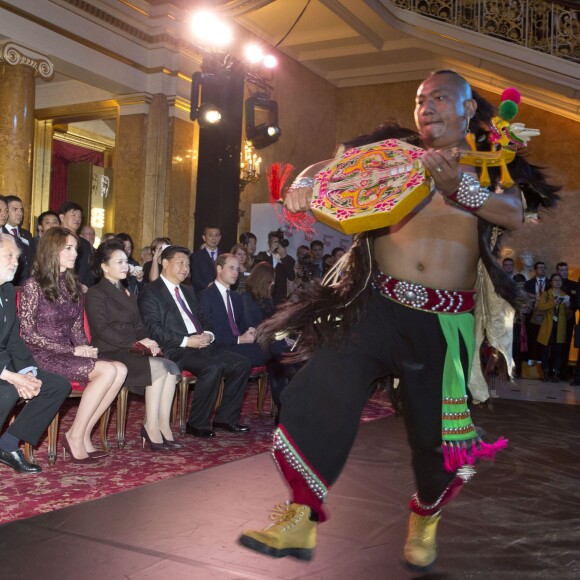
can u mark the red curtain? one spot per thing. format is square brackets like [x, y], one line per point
[62, 155]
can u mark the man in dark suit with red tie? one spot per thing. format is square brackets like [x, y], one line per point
[175, 321]
[43, 392]
[202, 262]
[535, 286]
[225, 311]
[23, 238]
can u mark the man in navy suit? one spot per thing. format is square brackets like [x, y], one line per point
[202, 262]
[225, 310]
[175, 321]
[23, 238]
[43, 392]
[533, 320]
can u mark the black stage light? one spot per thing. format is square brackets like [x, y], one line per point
[207, 98]
[260, 107]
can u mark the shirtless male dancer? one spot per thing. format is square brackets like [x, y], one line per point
[416, 324]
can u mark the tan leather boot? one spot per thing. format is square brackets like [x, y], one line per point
[293, 533]
[420, 549]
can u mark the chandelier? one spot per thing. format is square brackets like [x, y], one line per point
[249, 166]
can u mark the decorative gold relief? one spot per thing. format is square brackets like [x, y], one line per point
[16, 54]
[548, 27]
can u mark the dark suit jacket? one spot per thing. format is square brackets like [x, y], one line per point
[27, 251]
[163, 320]
[14, 354]
[84, 263]
[202, 270]
[213, 305]
[530, 285]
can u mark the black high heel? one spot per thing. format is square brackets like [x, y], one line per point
[152, 445]
[73, 459]
[171, 444]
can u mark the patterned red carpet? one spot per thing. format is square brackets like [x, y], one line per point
[64, 484]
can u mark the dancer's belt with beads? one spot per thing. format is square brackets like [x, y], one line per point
[424, 298]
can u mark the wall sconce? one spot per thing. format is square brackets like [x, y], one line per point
[261, 107]
[97, 217]
[249, 166]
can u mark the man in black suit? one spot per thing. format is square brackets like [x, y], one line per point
[43, 392]
[71, 217]
[202, 262]
[175, 321]
[225, 311]
[535, 286]
[23, 239]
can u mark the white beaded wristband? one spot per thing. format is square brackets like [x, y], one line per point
[470, 196]
[302, 182]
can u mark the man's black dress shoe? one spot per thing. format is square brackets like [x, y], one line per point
[16, 460]
[232, 428]
[198, 432]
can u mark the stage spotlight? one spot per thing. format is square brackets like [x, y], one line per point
[207, 98]
[253, 53]
[210, 30]
[270, 61]
[208, 115]
[262, 127]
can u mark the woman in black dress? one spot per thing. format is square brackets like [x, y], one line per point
[118, 333]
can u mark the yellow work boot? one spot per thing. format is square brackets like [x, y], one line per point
[420, 550]
[292, 533]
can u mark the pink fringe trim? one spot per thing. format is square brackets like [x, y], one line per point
[456, 455]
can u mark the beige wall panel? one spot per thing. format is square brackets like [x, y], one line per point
[129, 182]
[180, 207]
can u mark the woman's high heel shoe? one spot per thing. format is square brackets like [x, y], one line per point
[66, 449]
[171, 444]
[98, 454]
[152, 445]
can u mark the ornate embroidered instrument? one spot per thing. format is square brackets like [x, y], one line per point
[377, 185]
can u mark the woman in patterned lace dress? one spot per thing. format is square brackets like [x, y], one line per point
[51, 314]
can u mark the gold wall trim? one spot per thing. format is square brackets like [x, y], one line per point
[85, 139]
[80, 112]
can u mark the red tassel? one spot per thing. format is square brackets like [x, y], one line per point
[456, 455]
[278, 174]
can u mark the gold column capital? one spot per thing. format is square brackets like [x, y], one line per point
[15, 54]
[134, 103]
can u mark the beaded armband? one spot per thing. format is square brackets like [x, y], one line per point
[470, 196]
[301, 182]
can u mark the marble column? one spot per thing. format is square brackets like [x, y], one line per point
[18, 68]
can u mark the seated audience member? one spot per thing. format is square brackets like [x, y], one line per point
[250, 242]
[555, 305]
[43, 392]
[508, 266]
[277, 256]
[175, 321]
[51, 312]
[134, 279]
[316, 253]
[23, 238]
[258, 305]
[71, 218]
[88, 233]
[151, 269]
[225, 312]
[146, 255]
[239, 251]
[338, 253]
[117, 330]
[202, 262]
[46, 220]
